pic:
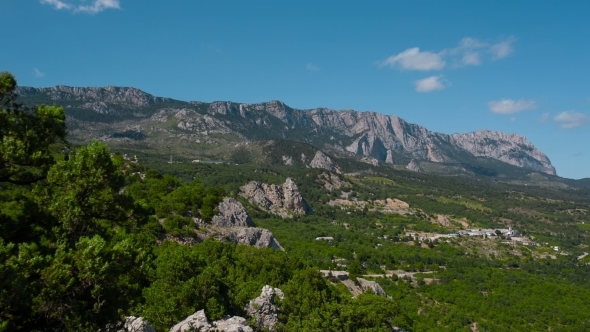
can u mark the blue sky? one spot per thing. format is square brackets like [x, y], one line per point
[451, 66]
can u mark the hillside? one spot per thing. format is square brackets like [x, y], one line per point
[130, 118]
[93, 237]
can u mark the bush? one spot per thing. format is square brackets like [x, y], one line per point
[177, 225]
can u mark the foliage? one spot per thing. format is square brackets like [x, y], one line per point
[26, 136]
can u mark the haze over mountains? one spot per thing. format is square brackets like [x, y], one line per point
[129, 114]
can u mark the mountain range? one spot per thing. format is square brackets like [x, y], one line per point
[129, 117]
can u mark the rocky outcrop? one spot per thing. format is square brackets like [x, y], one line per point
[251, 236]
[284, 200]
[263, 309]
[137, 324]
[233, 223]
[355, 288]
[367, 285]
[331, 181]
[231, 214]
[199, 322]
[288, 160]
[413, 166]
[320, 160]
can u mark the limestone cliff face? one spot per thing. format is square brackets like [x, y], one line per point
[386, 138]
[284, 200]
[509, 148]
[94, 97]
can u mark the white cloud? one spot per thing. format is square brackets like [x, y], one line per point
[544, 118]
[502, 49]
[431, 83]
[38, 73]
[312, 67]
[98, 6]
[571, 119]
[57, 4]
[471, 43]
[509, 106]
[81, 6]
[512, 119]
[413, 59]
[469, 52]
[471, 59]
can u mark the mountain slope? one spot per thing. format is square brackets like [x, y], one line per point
[116, 113]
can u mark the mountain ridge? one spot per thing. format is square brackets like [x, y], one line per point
[387, 138]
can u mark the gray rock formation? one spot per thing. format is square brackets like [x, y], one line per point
[369, 134]
[251, 236]
[231, 214]
[137, 324]
[232, 324]
[371, 285]
[263, 308]
[195, 322]
[509, 148]
[413, 166]
[284, 200]
[199, 322]
[287, 160]
[320, 160]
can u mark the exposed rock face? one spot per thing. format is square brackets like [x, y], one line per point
[413, 166]
[355, 289]
[287, 160]
[332, 181]
[232, 213]
[195, 322]
[233, 223]
[383, 137]
[320, 160]
[232, 324]
[509, 148]
[97, 98]
[252, 236]
[137, 324]
[199, 322]
[373, 286]
[263, 308]
[284, 200]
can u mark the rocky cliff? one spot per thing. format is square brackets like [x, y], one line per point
[284, 200]
[233, 223]
[384, 138]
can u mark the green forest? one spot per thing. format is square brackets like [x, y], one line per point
[85, 240]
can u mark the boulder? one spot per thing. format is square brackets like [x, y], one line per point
[199, 322]
[195, 322]
[232, 324]
[137, 324]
